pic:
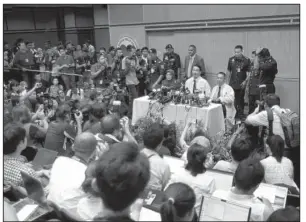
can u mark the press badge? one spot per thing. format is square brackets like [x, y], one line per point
[26, 60]
[152, 70]
[101, 81]
[238, 70]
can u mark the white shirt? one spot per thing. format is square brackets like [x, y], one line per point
[257, 207]
[278, 172]
[66, 173]
[89, 207]
[159, 169]
[261, 119]
[201, 184]
[189, 74]
[201, 84]
[226, 166]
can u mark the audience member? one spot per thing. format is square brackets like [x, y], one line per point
[278, 169]
[248, 176]
[14, 142]
[198, 157]
[179, 203]
[286, 214]
[69, 173]
[121, 176]
[96, 113]
[35, 134]
[160, 170]
[240, 150]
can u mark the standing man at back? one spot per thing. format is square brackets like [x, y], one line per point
[193, 59]
[172, 60]
[238, 66]
[129, 66]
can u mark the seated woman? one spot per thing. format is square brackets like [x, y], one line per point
[179, 203]
[35, 134]
[170, 82]
[198, 158]
[14, 142]
[278, 169]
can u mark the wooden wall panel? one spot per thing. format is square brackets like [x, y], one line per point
[125, 14]
[170, 13]
[45, 18]
[19, 19]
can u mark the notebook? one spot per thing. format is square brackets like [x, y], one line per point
[44, 157]
[215, 209]
[275, 194]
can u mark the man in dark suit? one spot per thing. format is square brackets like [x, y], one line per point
[193, 59]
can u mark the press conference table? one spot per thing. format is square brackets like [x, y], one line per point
[211, 116]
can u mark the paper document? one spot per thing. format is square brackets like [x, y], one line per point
[26, 211]
[149, 215]
[267, 192]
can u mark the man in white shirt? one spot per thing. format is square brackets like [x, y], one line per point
[247, 178]
[224, 94]
[159, 168]
[68, 173]
[197, 83]
[257, 118]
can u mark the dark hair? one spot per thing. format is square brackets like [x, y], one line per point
[153, 136]
[21, 114]
[29, 42]
[222, 73]
[198, 67]
[277, 146]
[254, 52]
[249, 174]
[90, 174]
[286, 214]
[272, 100]
[130, 47]
[60, 48]
[122, 174]
[102, 48]
[110, 123]
[98, 110]
[87, 41]
[144, 48]
[239, 47]
[20, 42]
[178, 201]
[193, 46]
[196, 156]
[118, 49]
[111, 48]
[199, 132]
[13, 134]
[241, 149]
[62, 111]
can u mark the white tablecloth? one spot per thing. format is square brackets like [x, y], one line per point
[211, 116]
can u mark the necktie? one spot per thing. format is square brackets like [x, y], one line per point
[219, 92]
[194, 86]
[190, 67]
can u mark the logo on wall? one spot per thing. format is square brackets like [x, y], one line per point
[126, 40]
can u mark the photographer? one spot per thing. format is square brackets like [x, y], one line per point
[258, 118]
[116, 66]
[129, 66]
[99, 72]
[95, 112]
[61, 130]
[266, 67]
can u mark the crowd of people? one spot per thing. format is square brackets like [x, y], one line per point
[78, 102]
